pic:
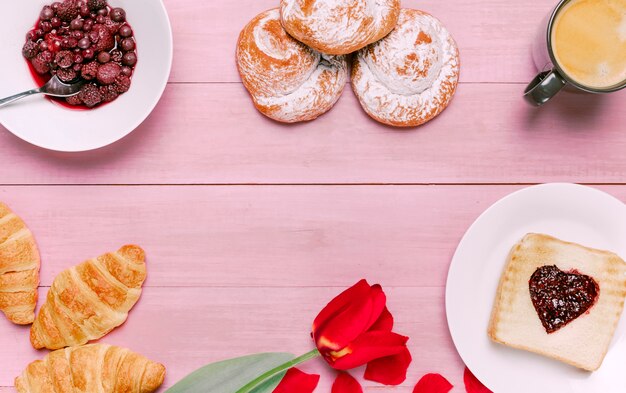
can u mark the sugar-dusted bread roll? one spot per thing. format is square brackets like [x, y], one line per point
[410, 76]
[339, 27]
[560, 300]
[91, 368]
[288, 81]
[19, 268]
[89, 300]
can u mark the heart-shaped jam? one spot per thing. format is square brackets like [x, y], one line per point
[560, 297]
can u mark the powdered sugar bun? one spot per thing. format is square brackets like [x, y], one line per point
[339, 27]
[287, 80]
[410, 76]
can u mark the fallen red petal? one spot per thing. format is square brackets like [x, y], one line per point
[297, 381]
[390, 370]
[345, 383]
[472, 384]
[433, 383]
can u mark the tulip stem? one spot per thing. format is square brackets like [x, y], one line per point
[276, 371]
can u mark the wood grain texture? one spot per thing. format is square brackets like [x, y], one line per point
[258, 235]
[240, 269]
[186, 328]
[487, 135]
[237, 270]
[494, 36]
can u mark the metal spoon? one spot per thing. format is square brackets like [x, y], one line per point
[54, 88]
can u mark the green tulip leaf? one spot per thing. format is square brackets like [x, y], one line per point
[231, 375]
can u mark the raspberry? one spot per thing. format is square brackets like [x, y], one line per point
[90, 95]
[116, 56]
[105, 40]
[30, 49]
[90, 70]
[68, 10]
[107, 73]
[122, 84]
[108, 93]
[95, 5]
[64, 59]
[66, 75]
[40, 64]
[74, 100]
[113, 27]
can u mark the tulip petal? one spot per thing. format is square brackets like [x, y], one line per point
[367, 347]
[433, 383]
[357, 291]
[345, 383]
[384, 322]
[390, 370]
[472, 384]
[351, 322]
[297, 381]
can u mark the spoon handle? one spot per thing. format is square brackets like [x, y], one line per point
[8, 100]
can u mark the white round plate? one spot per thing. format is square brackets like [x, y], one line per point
[43, 123]
[567, 211]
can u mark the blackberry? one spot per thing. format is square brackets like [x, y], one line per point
[40, 64]
[66, 74]
[96, 5]
[90, 70]
[74, 100]
[68, 10]
[122, 84]
[30, 49]
[90, 95]
[64, 58]
[108, 93]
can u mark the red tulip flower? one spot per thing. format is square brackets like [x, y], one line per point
[355, 329]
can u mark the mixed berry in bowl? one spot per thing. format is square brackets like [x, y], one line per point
[83, 39]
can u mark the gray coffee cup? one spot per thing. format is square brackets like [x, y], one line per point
[551, 78]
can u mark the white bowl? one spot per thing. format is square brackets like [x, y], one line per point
[43, 123]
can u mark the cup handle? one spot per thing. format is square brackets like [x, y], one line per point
[544, 87]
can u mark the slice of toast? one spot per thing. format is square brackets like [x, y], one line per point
[584, 341]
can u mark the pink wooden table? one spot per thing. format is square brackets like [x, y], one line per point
[251, 226]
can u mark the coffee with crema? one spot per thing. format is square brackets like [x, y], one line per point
[589, 42]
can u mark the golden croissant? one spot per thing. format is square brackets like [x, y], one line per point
[19, 268]
[87, 301]
[91, 368]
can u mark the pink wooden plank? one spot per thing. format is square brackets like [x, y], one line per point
[186, 328]
[260, 236]
[494, 36]
[487, 135]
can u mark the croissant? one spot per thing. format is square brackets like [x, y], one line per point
[19, 268]
[87, 301]
[92, 368]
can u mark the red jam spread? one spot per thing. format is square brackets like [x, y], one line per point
[560, 297]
